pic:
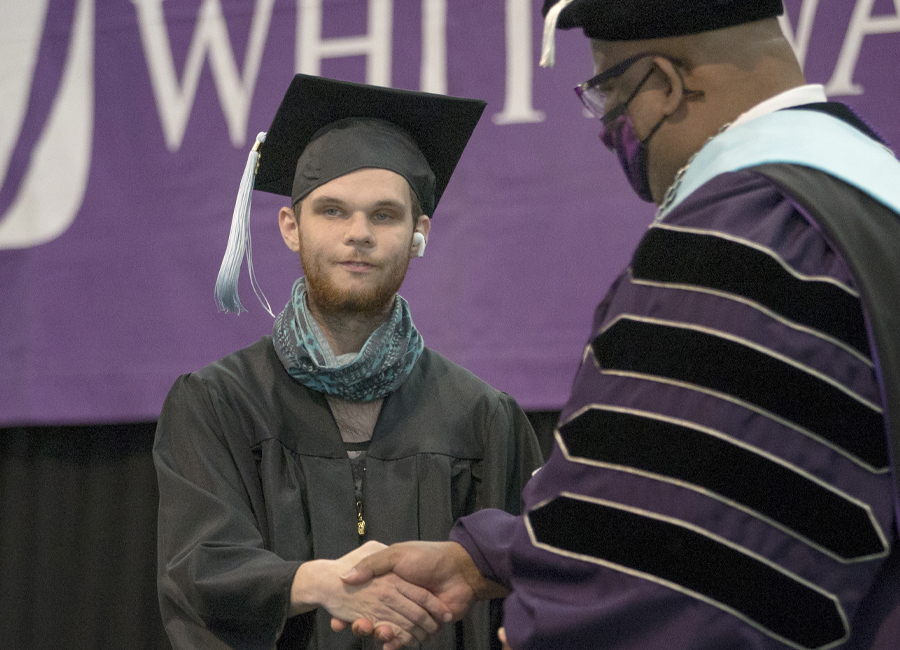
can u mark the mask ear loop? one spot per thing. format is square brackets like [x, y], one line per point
[677, 65]
[685, 92]
[620, 108]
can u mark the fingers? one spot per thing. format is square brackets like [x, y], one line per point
[391, 636]
[388, 600]
[383, 631]
[367, 549]
[417, 604]
[385, 635]
[376, 564]
[357, 554]
[442, 568]
[435, 607]
[393, 606]
[362, 627]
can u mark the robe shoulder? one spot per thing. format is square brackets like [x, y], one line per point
[258, 366]
[252, 387]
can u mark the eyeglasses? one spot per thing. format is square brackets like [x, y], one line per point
[595, 99]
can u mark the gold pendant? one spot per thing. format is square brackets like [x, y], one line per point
[360, 523]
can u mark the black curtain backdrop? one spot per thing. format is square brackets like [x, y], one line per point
[78, 536]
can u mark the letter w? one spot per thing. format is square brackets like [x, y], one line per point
[173, 100]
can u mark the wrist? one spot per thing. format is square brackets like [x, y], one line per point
[483, 588]
[307, 589]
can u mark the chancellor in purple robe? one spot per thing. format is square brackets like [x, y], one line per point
[724, 472]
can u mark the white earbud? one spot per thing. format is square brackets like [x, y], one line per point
[419, 243]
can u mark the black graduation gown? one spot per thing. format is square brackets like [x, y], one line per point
[254, 479]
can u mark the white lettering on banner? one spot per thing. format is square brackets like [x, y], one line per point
[21, 26]
[862, 24]
[799, 38]
[433, 72]
[311, 48]
[174, 101]
[517, 107]
[52, 189]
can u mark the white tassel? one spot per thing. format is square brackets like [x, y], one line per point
[227, 298]
[548, 43]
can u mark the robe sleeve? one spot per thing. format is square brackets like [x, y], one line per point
[218, 585]
[512, 454]
[487, 535]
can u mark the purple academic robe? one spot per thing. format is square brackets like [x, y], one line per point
[720, 477]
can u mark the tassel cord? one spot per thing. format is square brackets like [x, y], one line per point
[239, 244]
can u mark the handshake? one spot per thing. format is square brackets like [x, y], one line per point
[401, 594]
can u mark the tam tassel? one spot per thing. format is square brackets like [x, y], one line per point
[548, 42]
[227, 298]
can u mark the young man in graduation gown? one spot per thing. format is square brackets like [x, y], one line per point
[279, 464]
[722, 475]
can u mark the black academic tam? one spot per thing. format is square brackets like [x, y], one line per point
[635, 20]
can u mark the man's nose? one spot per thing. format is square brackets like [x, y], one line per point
[359, 230]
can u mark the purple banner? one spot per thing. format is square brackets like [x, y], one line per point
[125, 126]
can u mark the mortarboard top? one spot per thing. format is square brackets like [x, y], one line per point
[325, 129]
[636, 20]
[439, 125]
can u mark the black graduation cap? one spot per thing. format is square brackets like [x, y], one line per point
[636, 20]
[325, 129]
[316, 108]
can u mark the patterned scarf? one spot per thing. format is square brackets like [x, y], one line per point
[379, 369]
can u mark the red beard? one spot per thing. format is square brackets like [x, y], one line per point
[335, 301]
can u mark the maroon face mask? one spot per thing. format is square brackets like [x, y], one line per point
[618, 132]
[618, 135]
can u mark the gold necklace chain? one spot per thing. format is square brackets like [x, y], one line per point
[672, 191]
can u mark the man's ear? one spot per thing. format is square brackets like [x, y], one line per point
[673, 85]
[423, 227]
[290, 229]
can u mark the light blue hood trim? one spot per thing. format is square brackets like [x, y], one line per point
[801, 137]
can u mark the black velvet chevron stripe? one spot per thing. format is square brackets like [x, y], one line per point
[670, 256]
[754, 481]
[773, 600]
[718, 364]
